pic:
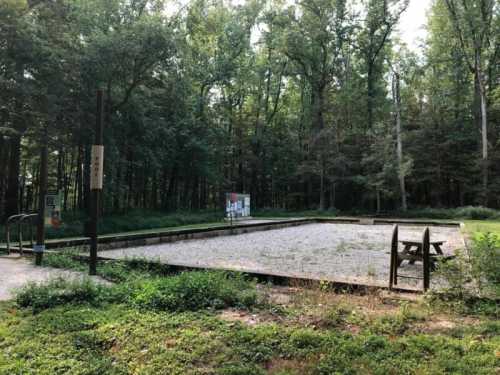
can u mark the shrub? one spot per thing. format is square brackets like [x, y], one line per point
[73, 223]
[485, 264]
[193, 291]
[473, 278]
[477, 213]
[61, 291]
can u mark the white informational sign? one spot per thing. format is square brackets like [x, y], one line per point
[237, 205]
[96, 167]
[53, 209]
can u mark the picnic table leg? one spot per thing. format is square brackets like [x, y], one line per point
[437, 247]
[418, 252]
[404, 252]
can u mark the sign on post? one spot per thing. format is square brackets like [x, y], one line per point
[237, 205]
[53, 209]
[97, 167]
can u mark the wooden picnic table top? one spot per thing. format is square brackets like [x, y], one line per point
[418, 243]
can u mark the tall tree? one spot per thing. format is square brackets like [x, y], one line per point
[314, 42]
[381, 18]
[472, 21]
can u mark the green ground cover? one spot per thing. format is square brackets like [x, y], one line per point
[118, 340]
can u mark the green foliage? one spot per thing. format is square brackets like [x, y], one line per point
[65, 258]
[275, 212]
[477, 213]
[473, 277]
[119, 339]
[140, 285]
[469, 212]
[301, 117]
[61, 291]
[115, 271]
[135, 220]
[194, 291]
[398, 323]
[485, 263]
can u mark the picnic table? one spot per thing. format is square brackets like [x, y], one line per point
[413, 251]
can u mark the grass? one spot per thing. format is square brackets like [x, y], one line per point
[477, 227]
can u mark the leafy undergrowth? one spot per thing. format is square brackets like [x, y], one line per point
[187, 291]
[473, 213]
[134, 220]
[118, 338]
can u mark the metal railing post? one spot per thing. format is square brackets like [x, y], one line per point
[10, 220]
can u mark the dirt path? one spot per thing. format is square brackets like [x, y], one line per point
[16, 271]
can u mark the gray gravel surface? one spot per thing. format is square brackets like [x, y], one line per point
[334, 252]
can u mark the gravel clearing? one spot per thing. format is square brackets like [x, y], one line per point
[350, 253]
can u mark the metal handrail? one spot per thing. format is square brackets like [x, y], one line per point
[19, 219]
[10, 220]
[30, 217]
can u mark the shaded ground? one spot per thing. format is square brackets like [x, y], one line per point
[350, 253]
[15, 272]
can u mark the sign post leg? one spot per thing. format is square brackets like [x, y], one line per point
[96, 182]
[40, 229]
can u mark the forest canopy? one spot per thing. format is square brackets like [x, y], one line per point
[303, 104]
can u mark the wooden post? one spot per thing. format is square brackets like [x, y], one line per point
[39, 248]
[393, 277]
[96, 182]
[426, 258]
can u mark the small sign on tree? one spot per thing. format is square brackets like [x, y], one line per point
[53, 209]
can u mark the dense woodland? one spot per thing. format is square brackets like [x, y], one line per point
[307, 104]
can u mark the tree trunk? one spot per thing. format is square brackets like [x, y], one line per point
[397, 104]
[12, 194]
[484, 128]
[370, 95]
[322, 186]
[379, 204]
[317, 147]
